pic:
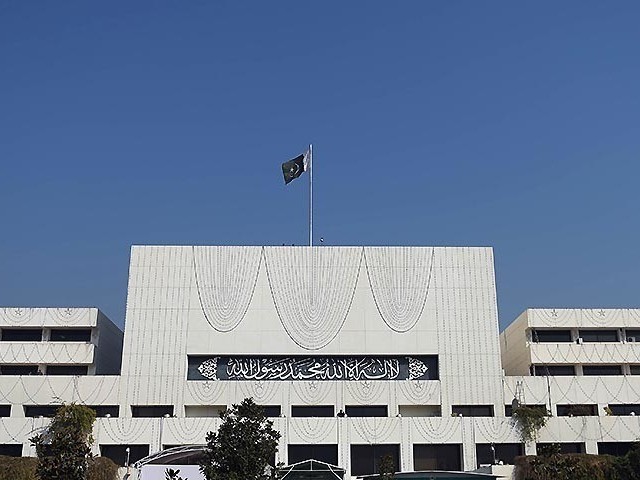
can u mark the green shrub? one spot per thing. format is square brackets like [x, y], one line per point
[579, 467]
[102, 468]
[18, 468]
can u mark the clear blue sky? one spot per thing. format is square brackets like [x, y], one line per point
[510, 124]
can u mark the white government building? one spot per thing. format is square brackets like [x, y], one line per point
[356, 352]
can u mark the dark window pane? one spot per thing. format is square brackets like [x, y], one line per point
[625, 409]
[502, 452]
[577, 410]
[104, 410]
[271, 410]
[193, 458]
[551, 336]
[564, 447]
[19, 370]
[437, 457]
[118, 453]
[598, 335]
[632, 335]
[617, 449]
[324, 453]
[635, 369]
[40, 410]
[366, 410]
[67, 370]
[21, 334]
[11, 449]
[366, 458]
[312, 411]
[151, 410]
[70, 335]
[473, 410]
[508, 409]
[5, 410]
[602, 370]
[554, 370]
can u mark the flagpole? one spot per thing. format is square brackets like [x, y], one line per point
[310, 195]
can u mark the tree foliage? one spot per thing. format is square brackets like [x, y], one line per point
[555, 466]
[17, 468]
[64, 448]
[243, 446]
[24, 468]
[386, 467]
[529, 421]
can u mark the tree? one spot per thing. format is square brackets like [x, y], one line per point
[243, 446]
[529, 420]
[171, 474]
[386, 467]
[64, 448]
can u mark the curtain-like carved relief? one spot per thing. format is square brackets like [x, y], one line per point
[312, 290]
[226, 279]
[400, 278]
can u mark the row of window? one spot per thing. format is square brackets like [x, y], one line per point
[157, 411]
[44, 370]
[585, 410]
[365, 459]
[585, 336]
[36, 335]
[587, 370]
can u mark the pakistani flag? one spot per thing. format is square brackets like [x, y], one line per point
[294, 167]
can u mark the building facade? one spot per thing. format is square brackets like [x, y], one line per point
[355, 352]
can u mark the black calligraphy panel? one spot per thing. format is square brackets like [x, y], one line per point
[287, 368]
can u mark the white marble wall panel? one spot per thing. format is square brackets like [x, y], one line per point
[586, 353]
[48, 317]
[46, 352]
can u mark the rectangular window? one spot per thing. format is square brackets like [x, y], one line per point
[634, 369]
[118, 453]
[632, 336]
[551, 336]
[11, 450]
[493, 453]
[617, 449]
[19, 370]
[324, 453]
[564, 447]
[577, 410]
[420, 410]
[602, 370]
[70, 335]
[40, 410]
[21, 334]
[312, 411]
[272, 410]
[365, 459]
[508, 409]
[210, 411]
[5, 410]
[149, 411]
[625, 409]
[435, 456]
[472, 410]
[366, 410]
[67, 369]
[554, 370]
[104, 410]
[589, 336]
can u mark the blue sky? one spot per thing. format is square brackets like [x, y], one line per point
[509, 124]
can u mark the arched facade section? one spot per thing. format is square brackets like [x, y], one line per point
[312, 289]
[226, 279]
[400, 278]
